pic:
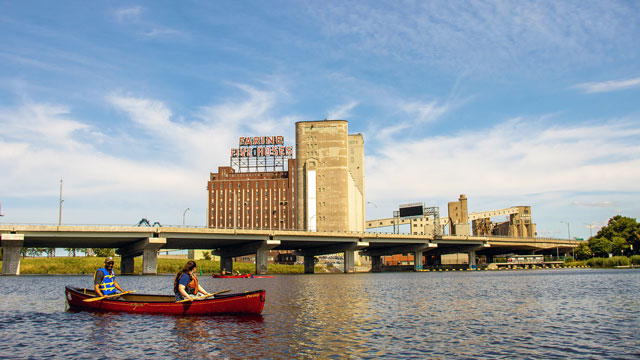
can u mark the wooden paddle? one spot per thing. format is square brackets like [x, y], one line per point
[204, 296]
[107, 296]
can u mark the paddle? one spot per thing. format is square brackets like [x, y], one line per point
[205, 296]
[107, 296]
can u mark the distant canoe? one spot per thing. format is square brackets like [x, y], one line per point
[249, 302]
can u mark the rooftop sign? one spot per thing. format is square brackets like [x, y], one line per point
[261, 146]
[261, 153]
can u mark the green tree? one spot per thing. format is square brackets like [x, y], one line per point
[103, 252]
[600, 246]
[583, 251]
[624, 227]
[618, 245]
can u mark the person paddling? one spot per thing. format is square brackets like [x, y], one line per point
[104, 280]
[186, 284]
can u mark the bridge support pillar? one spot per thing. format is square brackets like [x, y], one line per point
[148, 248]
[150, 255]
[472, 259]
[376, 263]
[417, 260]
[126, 265]
[11, 249]
[349, 261]
[226, 264]
[309, 263]
[262, 262]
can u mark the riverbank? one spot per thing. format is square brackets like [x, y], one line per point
[88, 265]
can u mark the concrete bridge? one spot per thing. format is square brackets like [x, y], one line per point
[131, 242]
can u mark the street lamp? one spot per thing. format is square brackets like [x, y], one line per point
[568, 228]
[60, 205]
[568, 235]
[184, 214]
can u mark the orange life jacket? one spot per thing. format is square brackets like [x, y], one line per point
[192, 286]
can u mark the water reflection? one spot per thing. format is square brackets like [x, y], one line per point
[536, 314]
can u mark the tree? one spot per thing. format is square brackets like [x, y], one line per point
[583, 252]
[624, 227]
[103, 252]
[618, 245]
[600, 246]
[33, 252]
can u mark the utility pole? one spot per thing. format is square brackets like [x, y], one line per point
[568, 228]
[590, 230]
[60, 205]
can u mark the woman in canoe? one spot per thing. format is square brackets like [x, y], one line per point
[186, 284]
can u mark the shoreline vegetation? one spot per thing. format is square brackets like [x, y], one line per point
[88, 265]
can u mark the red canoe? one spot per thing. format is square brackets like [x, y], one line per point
[243, 276]
[249, 302]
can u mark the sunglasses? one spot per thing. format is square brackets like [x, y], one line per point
[110, 263]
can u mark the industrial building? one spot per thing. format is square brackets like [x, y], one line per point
[330, 173]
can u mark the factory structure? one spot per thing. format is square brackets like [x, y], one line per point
[264, 187]
[322, 189]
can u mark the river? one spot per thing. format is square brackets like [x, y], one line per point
[533, 314]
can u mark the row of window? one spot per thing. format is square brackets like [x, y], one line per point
[229, 185]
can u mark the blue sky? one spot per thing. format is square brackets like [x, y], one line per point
[133, 104]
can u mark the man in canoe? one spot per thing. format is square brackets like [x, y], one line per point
[186, 284]
[104, 280]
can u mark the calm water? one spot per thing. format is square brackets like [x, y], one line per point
[543, 314]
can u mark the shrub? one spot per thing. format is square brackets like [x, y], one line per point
[635, 259]
[616, 261]
[596, 262]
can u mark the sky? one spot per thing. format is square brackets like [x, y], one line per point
[133, 104]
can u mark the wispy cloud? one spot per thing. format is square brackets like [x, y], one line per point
[477, 35]
[128, 13]
[600, 204]
[342, 112]
[517, 157]
[607, 86]
[46, 139]
[424, 112]
[133, 17]
[410, 114]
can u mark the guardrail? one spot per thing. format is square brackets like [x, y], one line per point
[284, 230]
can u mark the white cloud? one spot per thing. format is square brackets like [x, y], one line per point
[496, 36]
[604, 204]
[511, 159]
[132, 12]
[410, 114]
[342, 112]
[607, 86]
[42, 143]
[424, 112]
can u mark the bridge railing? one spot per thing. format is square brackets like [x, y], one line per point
[368, 231]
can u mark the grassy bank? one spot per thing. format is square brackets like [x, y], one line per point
[612, 262]
[88, 265]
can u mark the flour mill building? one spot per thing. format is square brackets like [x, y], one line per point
[264, 187]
